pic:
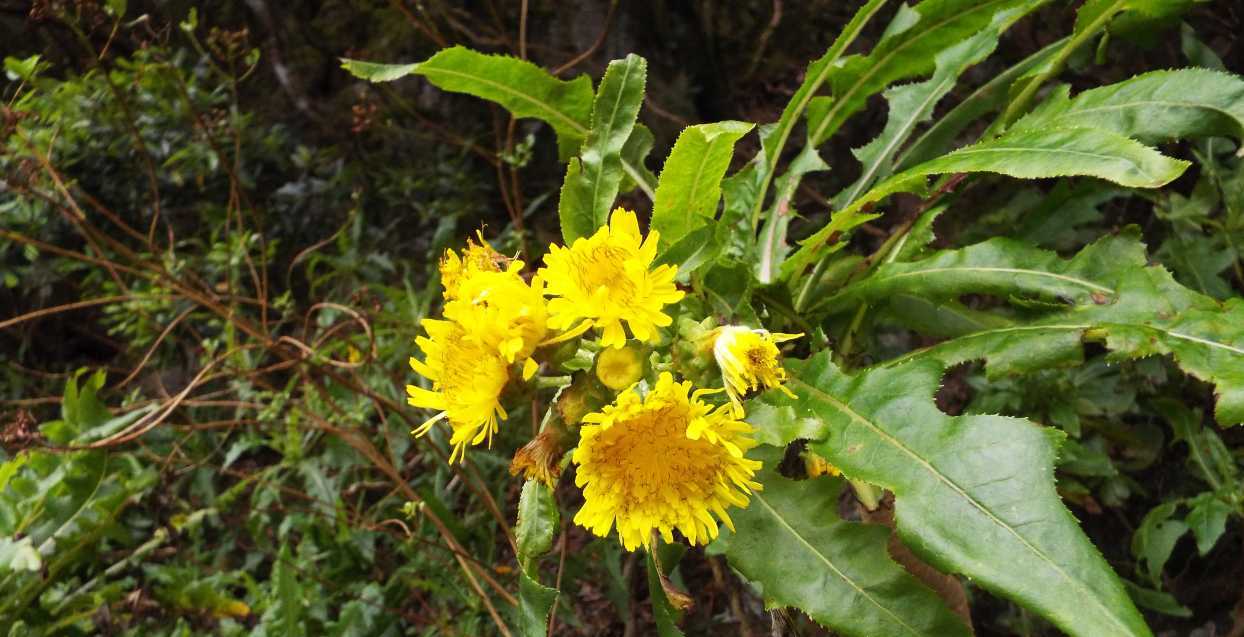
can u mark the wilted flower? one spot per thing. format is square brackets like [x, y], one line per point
[749, 359]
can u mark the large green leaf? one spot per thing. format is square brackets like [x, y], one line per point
[791, 540]
[912, 104]
[973, 494]
[1154, 107]
[999, 266]
[1024, 154]
[690, 184]
[523, 88]
[1107, 292]
[592, 182]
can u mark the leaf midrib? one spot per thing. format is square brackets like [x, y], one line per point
[612, 125]
[1238, 118]
[829, 563]
[1023, 271]
[944, 479]
[1022, 149]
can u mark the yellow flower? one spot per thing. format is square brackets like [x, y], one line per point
[477, 257]
[749, 359]
[619, 368]
[662, 462]
[605, 279]
[468, 375]
[508, 313]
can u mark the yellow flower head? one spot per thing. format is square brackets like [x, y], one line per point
[477, 257]
[662, 462]
[749, 359]
[468, 375]
[507, 312]
[619, 368]
[605, 279]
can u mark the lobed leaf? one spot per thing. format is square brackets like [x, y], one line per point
[973, 494]
[1024, 154]
[1109, 293]
[907, 49]
[791, 540]
[913, 104]
[1153, 107]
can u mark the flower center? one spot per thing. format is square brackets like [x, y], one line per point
[603, 268]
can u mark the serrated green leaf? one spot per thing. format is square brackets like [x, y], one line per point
[589, 191]
[1109, 293]
[537, 524]
[376, 71]
[285, 616]
[1024, 154]
[519, 86]
[689, 187]
[1207, 518]
[1040, 154]
[912, 104]
[791, 540]
[1000, 266]
[751, 200]
[1153, 107]
[907, 49]
[535, 604]
[939, 138]
[973, 494]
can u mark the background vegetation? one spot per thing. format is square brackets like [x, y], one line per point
[216, 245]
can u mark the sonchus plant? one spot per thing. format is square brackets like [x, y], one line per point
[682, 362]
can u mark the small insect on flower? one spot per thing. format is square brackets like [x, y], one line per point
[485, 292]
[749, 359]
[660, 462]
[606, 280]
[477, 257]
[468, 375]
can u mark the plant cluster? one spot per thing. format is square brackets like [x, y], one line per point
[986, 376]
[973, 494]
